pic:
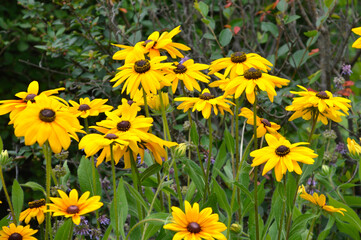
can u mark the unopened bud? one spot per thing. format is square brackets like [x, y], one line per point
[236, 228]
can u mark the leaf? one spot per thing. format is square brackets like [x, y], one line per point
[4, 221]
[195, 173]
[150, 171]
[282, 5]
[289, 19]
[353, 201]
[34, 186]
[291, 188]
[229, 141]
[225, 37]
[65, 230]
[314, 77]
[311, 33]
[203, 7]
[270, 27]
[85, 177]
[220, 159]
[222, 198]
[65, 178]
[326, 231]
[1, 145]
[328, 3]
[136, 195]
[299, 58]
[245, 190]
[194, 134]
[300, 224]
[208, 36]
[122, 209]
[107, 233]
[17, 199]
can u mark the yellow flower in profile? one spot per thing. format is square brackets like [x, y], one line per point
[129, 53]
[282, 156]
[189, 72]
[221, 83]
[195, 225]
[86, 108]
[153, 101]
[263, 125]
[147, 73]
[320, 201]
[134, 102]
[238, 63]
[310, 102]
[357, 43]
[73, 206]
[16, 106]
[14, 232]
[47, 120]
[353, 147]
[254, 79]
[36, 209]
[205, 102]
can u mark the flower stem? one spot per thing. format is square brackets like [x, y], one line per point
[7, 195]
[255, 169]
[311, 228]
[283, 209]
[146, 106]
[47, 155]
[206, 189]
[314, 121]
[115, 201]
[238, 104]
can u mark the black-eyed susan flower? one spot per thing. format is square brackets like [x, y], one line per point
[188, 72]
[320, 200]
[14, 232]
[145, 73]
[86, 108]
[263, 125]
[47, 120]
[130, 53]
[73, 206]
[221, 83]
[153, 101]
[36, 209]
[254, 79]
[195, 225]
[357, 43]
[204, 103]
[353, 147]
[238, 63]
[282, 156]
[322, 102]
[16, 106]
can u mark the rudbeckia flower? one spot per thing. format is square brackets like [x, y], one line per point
[189, 72]
[221, 83]
[86, 108]
[320, 201]
[134, 102]
[73, 206]
[47, 120]
[129, 53]
[16, 106]
[254, 79]
[205, 102]
[357, 43]
[153, 101]
[36, 209]
[238, 63]
[14, 232]
[353, 146]
[147, 73]
[263, 125]
[195, 225]
[282, 156]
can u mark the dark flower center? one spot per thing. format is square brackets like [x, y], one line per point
[238, 57]
[282, 150]
[322, 95]
[47, 115]
[72, 209]
[37, 203]
[83, 107]
[266, 123]
[130, 102]
[15, 236]
[30, 97]
[142, 66]
[123, 126]
[206, 96]
[180, 69]
[111, 136]
[252, 73]
[193, 227]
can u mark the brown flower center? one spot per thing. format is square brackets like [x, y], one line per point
[83, 107]
[15, 236]
[47, 115]
[30, 97]
[180, 69]
[266, 123]
[282, 150]
[111, 136]
[252, 73]
[123, 126]
[37, 203]
[193, 227]
[130, 102]
[142, 66]
[238, 57]
[206, 96]
[322, 95]
[72, 209]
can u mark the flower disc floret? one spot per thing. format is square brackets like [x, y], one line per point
[142, 66]
[47, 115]
[37, 203]
[123, 126]
[238, 57]
[180, 68]
[83, 107]
[252, 73]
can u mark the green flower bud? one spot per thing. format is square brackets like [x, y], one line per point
[4, 158]
[236, 228]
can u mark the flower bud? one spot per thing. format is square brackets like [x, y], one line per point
[236, 228]
[4, 158]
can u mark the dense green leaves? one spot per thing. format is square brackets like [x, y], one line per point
[85, 177]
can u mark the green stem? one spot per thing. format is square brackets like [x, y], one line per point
[70, 237]
[283, 209]
[313, 128]
[7, 195]
[47, 155]
[206, 189]
[115, 200]
[255, 169]
[238, 104]
[311, 228]
[146, 106]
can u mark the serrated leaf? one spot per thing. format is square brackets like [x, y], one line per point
[225, 37]
[85, 178]
[17, 199]
[65, 230]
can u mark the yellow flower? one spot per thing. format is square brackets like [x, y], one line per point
[73, 206]
[353, 146]
[205, 103]
[47, 120]
[129, 53]
[310, 102]
[147, 73]
[221, 83]
[36, 209]
[238, 63]
[153, 101]
[16, 106]
[282, 156]
[17, 232]
[357, 43]
[86, 108]
[195, 225]
[263, 125]
[134, 102]
[188, 72]
[320, 201]
[253, 79]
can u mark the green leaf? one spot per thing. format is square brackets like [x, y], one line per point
[136, 195]
[328, 3]
[299, 58]
[291, 188]
[63, 180]
[34, 186]
[194, 134]
[282, 5]
[85, 177]
[17, 199]
[4, 221]
[150, 171]
[222, 198]
[1, 145]
[203, 7]
[107, 233]
[289, 19]
[353, 201]
[326, 231]
[225, 37]
[220, 159]
[270, 27]
[300, 224]
[245, 190]
[311, 33]
[209, 36]
[65, 230]
[195, 173]
[314, 77]
[229, 141]
[122, 209]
